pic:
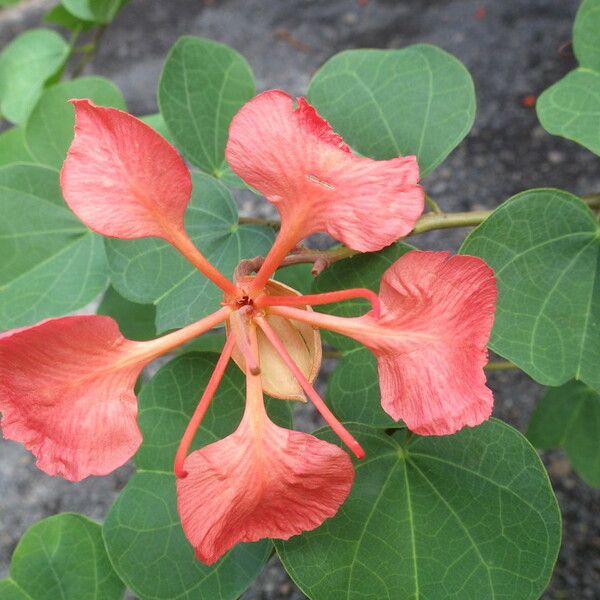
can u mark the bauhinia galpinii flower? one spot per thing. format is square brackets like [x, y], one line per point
[67, 384]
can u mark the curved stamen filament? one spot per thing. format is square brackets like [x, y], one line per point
[326, 298]
[205, 400]
[309, 390]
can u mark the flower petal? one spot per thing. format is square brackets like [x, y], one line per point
[66, 393]
[294, 158]
[262, 481]
[121, 178]
[437, 313]
[430, 343]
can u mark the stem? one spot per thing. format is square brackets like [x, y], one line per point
[326, 298]
[500, 365]
[205, 400]
[274, 223]
[87, 57]
[428, 222]
[433, 205]
[309, 390]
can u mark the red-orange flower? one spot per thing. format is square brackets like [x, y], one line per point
[66, 385]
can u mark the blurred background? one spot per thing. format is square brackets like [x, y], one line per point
[514, 49]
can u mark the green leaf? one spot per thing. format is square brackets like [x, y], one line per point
[465, 517]
[61, 16]
[586, 34]
[298, 277]
[544, 246]
[151, 271]
[62, 557]
[229, 178]
[25, 65]
[9, 589]
[202, 85]
[97, 11]
[209, 342]
[385, 103]
[49, 129]
[568, 417]
[158, 124]
[353, 390]
[51, 263]
[571, 106]
[136, 321]
[13, 148]
[169, 399]
[150, 553]
[142, 530]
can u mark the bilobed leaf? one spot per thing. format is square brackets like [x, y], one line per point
[586, 34]
[61, 16]
[570, 108]
[62, 557]
[385, 103]
[353, 390]
[142, 531]
[136, 321]
[13, 148]
[25, 65]
[97, 11]
[51, 263]
[568, 417]
[151, 271]
[49, 129]
[202, 86]
[544, 247]
[465, 517]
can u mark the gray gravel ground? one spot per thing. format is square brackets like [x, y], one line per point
[511, 51]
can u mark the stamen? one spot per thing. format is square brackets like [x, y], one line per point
[309, 390]
[326, 298]
[205, 400]
[239, 329]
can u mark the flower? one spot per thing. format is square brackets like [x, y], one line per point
[66, 384]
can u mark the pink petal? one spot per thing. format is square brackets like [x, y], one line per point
[431, 341]
[260, 482]
[66, 393]
[293, 157]
[121, 178]
[437, 314]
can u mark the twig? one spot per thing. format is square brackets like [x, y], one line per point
[433, 205]
[91, 49]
